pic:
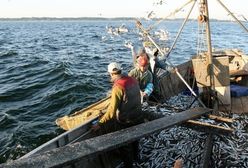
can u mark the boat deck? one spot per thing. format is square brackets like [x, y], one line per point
[239, 105]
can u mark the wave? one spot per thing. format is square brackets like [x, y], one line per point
[8, 54]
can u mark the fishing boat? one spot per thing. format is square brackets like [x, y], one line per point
[220, 77]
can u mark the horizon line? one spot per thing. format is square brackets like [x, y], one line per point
[95, 17]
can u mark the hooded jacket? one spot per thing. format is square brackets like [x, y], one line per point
[145, 80]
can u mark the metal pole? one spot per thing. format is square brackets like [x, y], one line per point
[233, 15]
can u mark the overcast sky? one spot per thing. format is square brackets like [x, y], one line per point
[111, 8]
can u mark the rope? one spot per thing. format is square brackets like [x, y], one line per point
[171, 14]
[233, 16]
[180, 30]
[201, 38]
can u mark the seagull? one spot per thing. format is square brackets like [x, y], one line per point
[160, 2]
[150, 14]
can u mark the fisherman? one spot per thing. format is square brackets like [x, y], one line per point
[156, 66]
[159, 70]
[124, 109]
[143, 75]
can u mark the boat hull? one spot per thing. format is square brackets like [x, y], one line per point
[78, 124]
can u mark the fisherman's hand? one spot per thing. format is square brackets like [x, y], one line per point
[95, 127]
[175, 70]
[143, 94]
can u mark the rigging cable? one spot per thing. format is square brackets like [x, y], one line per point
[171, 14]
[201, 39]
[180, 31]
[232, 15]
[139, 25]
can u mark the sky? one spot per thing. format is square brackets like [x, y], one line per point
[113, 8]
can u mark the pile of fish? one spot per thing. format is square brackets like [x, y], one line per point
[164, 148]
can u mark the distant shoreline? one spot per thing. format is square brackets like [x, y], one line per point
[87, 18]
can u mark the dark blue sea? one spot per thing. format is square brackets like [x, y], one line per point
[52, 68]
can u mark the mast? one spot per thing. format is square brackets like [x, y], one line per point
[209, 57]
[210, 67]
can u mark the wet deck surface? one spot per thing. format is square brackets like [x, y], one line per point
[239, 105]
